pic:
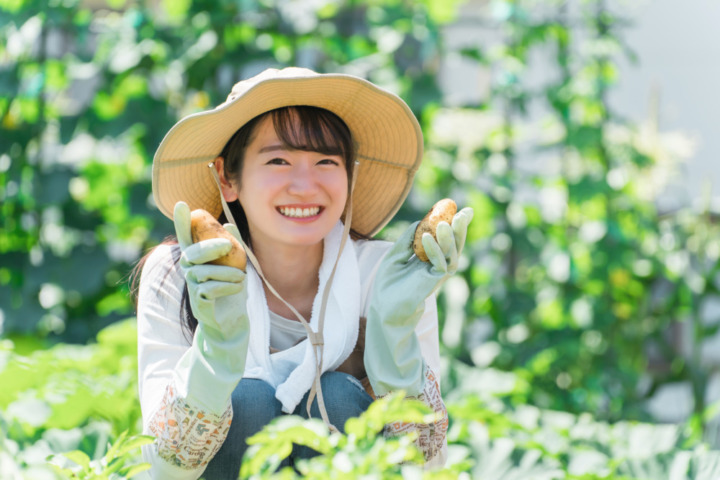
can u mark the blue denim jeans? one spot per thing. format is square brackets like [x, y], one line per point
[254, 405]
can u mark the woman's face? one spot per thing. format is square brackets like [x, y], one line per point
[290, 197]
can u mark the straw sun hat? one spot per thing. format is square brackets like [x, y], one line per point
[386, 133]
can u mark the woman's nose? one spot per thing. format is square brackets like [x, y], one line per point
[303, 180]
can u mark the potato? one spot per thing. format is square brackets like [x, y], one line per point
[204, 226]
[442, 211]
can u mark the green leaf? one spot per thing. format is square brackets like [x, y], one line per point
[133, 443]
[115, 447]
[78, 457]
[131, 471]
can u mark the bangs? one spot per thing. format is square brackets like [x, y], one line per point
[313, 129]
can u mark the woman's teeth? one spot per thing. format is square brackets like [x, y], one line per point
[299, 212]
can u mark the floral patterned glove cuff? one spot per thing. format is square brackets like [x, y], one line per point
[187, 437]
[431, 436]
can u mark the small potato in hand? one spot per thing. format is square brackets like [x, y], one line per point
[204, 226]
[442, 211]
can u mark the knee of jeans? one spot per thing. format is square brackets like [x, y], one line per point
[343, 391]
[255, 398]
[341, 380]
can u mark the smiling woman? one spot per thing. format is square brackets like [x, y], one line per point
[290, 175]
[303, 169]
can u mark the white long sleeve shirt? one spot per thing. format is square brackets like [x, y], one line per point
[162, 342]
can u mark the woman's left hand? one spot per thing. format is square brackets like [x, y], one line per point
[410, 279]
[444, 252]
[392, 357]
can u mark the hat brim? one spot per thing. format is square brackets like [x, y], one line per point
[387, 135]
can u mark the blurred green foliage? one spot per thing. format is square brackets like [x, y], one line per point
[87, 91]
[67, 398]
[42, 436]
[574, 281]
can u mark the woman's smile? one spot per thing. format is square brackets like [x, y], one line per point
[300, 212]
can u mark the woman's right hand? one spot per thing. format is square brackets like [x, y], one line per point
[218, 294]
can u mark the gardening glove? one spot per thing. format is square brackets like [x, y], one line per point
[210, 370]
[393, 360]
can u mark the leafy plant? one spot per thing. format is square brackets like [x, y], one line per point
[361, 451]
[518, 442]
[116, 463]
[574, 277]
[70, 398]
[488, 438]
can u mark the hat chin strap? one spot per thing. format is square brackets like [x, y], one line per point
[316, 338]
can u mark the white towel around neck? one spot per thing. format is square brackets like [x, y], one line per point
[292, 371]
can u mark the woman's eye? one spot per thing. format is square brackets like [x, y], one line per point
[277, 161]
[328, 161]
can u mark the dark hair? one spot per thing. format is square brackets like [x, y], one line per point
[316, 130]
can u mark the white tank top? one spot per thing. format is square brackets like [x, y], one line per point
[284, 333]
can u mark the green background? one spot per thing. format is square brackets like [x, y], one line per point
[566, 306]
